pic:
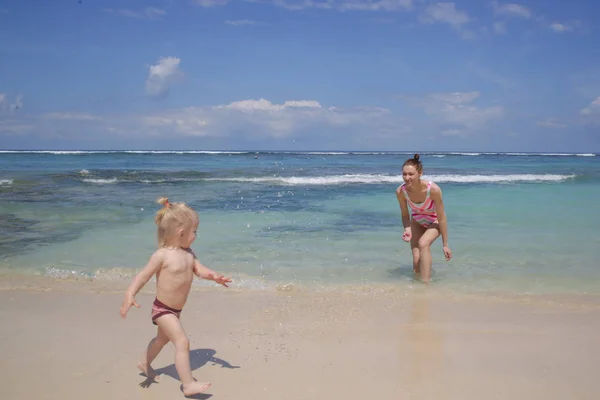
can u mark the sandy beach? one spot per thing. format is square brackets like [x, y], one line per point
[65, 340]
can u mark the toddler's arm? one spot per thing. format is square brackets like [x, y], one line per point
[206, 273]
[140, 280]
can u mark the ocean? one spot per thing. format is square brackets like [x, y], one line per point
[519, 223]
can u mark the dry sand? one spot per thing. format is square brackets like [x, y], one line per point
[66, 340]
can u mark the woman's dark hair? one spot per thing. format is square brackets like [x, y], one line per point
[414, 162]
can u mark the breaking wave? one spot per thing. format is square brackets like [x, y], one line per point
[378, 179]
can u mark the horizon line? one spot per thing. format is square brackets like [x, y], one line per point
[307, 150]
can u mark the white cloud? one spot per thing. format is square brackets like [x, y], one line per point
[592, 109]
[561, 27]
[18, 103]
[556, 27]
[188, 122]
[550, 123]
[586, 83]
[340, 5]
[499, 27]
[452, 132]
[10, 122]
[456, 113]
[275, 123]
[248, 119]
[264, 118]
[265, 105]
[447, 13]
[240, 22]
[566, 27]
[161, 76]
[469, 116]
[511, 9]
[71, 117]
[7, 106]
[455, 97]
[49, 123]
[490, 76]
[15, 127]
[520, 11]
[147, 13]
[374, 5]
[210, 3]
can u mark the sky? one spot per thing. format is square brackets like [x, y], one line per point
[468, 75]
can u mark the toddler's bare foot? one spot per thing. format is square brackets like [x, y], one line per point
[148, 371]
[195, 388]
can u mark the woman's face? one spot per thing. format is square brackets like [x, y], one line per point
[410, 174]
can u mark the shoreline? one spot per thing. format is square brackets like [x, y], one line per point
[42, 283]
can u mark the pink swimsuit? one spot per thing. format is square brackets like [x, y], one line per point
[423, 213]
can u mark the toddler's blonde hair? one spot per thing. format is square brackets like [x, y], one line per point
[170, 218]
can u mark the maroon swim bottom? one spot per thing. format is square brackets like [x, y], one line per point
[159, 309]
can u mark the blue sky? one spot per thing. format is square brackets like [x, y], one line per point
[300, 75]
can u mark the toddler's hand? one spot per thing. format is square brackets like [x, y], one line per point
[221, 280]
[407, 235]
[127, 303]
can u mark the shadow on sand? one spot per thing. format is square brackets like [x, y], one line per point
[198, 358]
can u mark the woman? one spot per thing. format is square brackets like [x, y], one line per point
[428, 217]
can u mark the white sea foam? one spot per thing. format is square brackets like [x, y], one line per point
[567, 154]
[75, 152]
[500, 178]
[544, 154]
[518, 154]
[6, 182]
[155, 180]
[328, 153]
[100, 181]
[378, 179]
[58, 152]
[183, 152]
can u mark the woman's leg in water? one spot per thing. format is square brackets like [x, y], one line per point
[417, 231]
[423, 244]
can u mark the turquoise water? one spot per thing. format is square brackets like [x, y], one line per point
[518, 223]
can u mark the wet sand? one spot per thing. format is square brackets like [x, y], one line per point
[66, 340]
